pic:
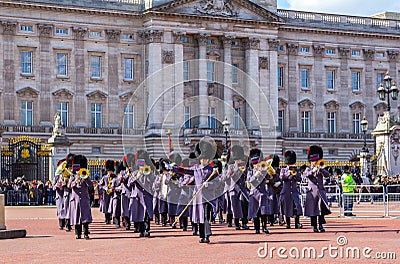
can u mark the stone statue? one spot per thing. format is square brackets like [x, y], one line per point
[57, 125]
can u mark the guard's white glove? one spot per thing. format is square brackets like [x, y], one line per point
[167, 165]
[205, 184]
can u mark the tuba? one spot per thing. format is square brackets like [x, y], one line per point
[83, 173]
[145, 170]
[109, 189]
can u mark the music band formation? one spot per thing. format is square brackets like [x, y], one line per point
[199, 188]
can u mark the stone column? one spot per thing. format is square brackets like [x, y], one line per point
[369, 90]
[2, 213]
[9, 71]
[252, 89]
[203, 85]
[343, 120]
[80, 100]
[273, 78]
[45, 33]
[177, 97]
[319, 89]
[228, 104]
[393, 56]
[113, 38]
[293, 84]
[152, 38]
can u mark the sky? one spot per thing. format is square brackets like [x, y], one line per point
[344, 7]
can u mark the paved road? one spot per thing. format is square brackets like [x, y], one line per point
[45, 243]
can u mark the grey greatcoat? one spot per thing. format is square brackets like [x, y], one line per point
[290, 194]
[80, 200]
[105, 202]
[125, 195]
[160, 204]
[141, 198]
[62, 197]
[172, 181]
[115, 208]
[261, 197]
[186, 193]
[237, 190]
[316, 201]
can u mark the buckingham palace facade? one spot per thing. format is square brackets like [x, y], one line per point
[121, 73]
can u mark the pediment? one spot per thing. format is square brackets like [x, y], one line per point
[63, 93]
[128, 96]
[306, 103]
[28, 92]
[357, 105]
[97, 95]
[236, 9]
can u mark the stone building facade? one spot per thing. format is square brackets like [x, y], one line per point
[122, 73]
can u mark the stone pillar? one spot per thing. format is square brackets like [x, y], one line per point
[228, 104]
[80, 100]
[370, 88]
[45, 33]
[152, 38]
[393, 56]
[203, 85]
[293, 84]
[2, 213]
[319, 89]
[114, 115]
[273, 78]
[252, 89]
[345, 79]
[177, 97]
[9, 71]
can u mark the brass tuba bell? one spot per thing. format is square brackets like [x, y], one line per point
[321, 163]
[145, 170]
[83, 173]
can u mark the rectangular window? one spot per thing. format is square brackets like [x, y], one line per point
[210, 41]
[27, 28]
[27, 113]
[127, 36]
[186, 116]
[210, 72]
[236, 118]
[332, 122]
[330, 51]
[330, 76]
[95, 34]
[234, 73]
[62, 109]
[281, 119]
[379, 55]
[96, 115]
[280, 76]
[279, 48]
[379, 79]
[186, 71]
[305, 79]
[356, 123]
[355, 81]
[356, 53]
[96, 150]
[95, 66]
[26, 62]
[235, 43]
[129, 116]
[61, 31]
[305, 122]
[211, 118]
[62, 69]
[185, 39]
[304, 49]
[128, 69]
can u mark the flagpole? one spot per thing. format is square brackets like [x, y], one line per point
[169, 141]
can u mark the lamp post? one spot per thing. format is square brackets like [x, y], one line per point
[364, 129]
[386, 90]
[364, 154]
[226, 125]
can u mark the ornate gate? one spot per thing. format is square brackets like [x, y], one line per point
[26, 156]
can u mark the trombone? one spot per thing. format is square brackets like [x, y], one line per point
[321, 163]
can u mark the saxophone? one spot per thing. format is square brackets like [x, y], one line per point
[109, 189]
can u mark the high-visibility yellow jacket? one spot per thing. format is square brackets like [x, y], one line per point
[348, 183]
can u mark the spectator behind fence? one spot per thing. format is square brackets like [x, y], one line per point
[348, 187]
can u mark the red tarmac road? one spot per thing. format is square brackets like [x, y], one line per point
[370, 237]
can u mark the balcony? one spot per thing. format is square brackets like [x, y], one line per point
[314, 135]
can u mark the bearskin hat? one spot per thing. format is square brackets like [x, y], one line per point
[275, 160]
[255, 156]
[176, 158]
[217, 164]
[290, 157]
[161, 164]
[142, 155]
[129, 160]
[70, 160]
[237, 153]
[314, 153]
[110, 165]
[207, 148]
[81, 160]
[120, 167]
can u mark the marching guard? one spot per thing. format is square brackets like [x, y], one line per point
[105, 185]
[316, 205]
[173, 193]
[290, 195]
[126, 190]
[80, 183]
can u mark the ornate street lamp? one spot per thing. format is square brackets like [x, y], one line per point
[364, 129]
[388, 87]
[226, 125]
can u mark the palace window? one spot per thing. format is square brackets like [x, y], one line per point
[127, 36]
[26, 62]
[304, 49]
[96, 116]
[330, 51]
[62, 64]
[186, 116]
[356, 123]
[331, 122]
[236, 118]
[280, 76]
[330, 76]
[379, 78]
[129, 116]
[62, 109]
[355, 81]
[211, 118]
[356, 53]
[128, 68]
[210, 72]
[26, 28]
[186, 71]
[95, 34]
[234, 73]
[305, 122]
[305, 78]
[95, 66]
[281, 120]
[27, 113]
[61, 31]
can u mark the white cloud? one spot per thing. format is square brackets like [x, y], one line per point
[346, 7]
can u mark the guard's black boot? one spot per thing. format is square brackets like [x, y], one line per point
[86, 231]
[297, 222]
[287, 222]
[61, 223]
[237, 224]
[195, 229]
[157, 219]
[321, 228]
[67, 225]
[172, 222]
[117, 222]
[229, 218]
[78, 231]
[127, 223]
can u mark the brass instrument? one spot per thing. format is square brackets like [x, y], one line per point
[64, 172]
[145, 170]
[263, 165]
[83, 173]
[293, 171]
[321, 163]
[242, 168]
[109, 189]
